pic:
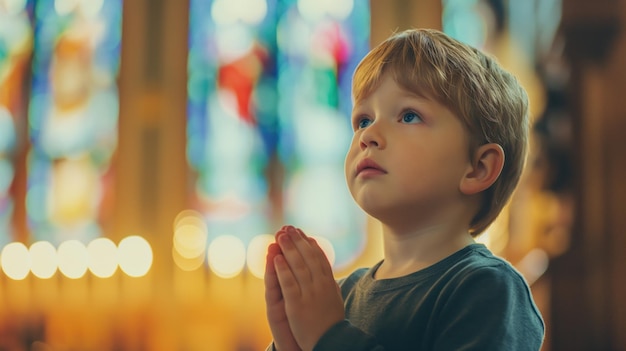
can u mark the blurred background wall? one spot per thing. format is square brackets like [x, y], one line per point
[150, 148]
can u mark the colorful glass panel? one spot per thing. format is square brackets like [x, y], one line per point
[16, 43]
[73, 117]
[269, 107]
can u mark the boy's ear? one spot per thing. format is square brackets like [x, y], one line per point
[484, 170]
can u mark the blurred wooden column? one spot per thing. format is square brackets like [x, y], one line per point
[151, 166]
[589, 282]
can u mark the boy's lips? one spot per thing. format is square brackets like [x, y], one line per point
[368, 166]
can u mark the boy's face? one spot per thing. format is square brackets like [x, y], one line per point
[407, 157]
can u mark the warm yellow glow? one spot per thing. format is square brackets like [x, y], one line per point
[327, 247]
[102, 257]
[533, 265]
[187, 264]
[190, 240]
[496, 236]
[189, 217]
[15, 261]
[135, 256]
[73, 259]
[44, 259]
[257, 250]
[227, 256]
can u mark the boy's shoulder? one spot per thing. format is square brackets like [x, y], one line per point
[476, 264]
[479, 260]
[473, 264]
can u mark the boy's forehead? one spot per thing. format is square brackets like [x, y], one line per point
[389, 81]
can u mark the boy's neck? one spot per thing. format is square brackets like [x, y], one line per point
[406, 252]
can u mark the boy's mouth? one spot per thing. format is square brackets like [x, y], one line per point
[369, 166]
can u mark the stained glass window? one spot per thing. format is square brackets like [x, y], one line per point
[72, 117]
[16, 40]
[268, 124]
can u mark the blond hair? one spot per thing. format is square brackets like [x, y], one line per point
[489, 101]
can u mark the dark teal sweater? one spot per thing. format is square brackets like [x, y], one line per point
[472, 300]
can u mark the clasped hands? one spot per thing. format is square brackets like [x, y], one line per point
[302, 297]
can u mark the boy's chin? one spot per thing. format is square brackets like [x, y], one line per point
[379, 213]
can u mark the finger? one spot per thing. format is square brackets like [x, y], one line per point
[294, 259]
[272, 286]
[303, 243]
[324, 264]
[288, 283]
[282, 231]
[272, 250]
[312, 253]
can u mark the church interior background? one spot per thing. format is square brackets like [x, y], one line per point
[149, 149]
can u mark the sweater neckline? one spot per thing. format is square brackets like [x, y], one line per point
[423, 274]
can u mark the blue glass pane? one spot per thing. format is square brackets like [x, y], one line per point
[72, 117]
[268, 124]
[16, 41]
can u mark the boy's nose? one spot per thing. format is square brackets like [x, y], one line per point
[371, 137]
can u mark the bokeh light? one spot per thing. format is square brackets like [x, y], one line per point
[190, 235]
[190, 240]
[15, 260]
[316, 10]
[327, 247]
[44, 259]
[226, 12]
[257, 249]
[135, 256]
[226, 256]
[187, 264]
[13, 7]
[189, 217]
[102, 257]
[88, 8]
[73, 259]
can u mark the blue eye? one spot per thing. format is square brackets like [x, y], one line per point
[363, 122]
[411, 117]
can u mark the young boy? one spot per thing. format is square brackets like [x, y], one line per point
[440, 134]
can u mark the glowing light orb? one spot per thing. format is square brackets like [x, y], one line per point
[73, 259]
[44, 259]
[257, 250]
[15, 261]
[227, 256]
[135, 256]
[102, 257]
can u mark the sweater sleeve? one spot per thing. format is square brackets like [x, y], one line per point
[345, 336]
